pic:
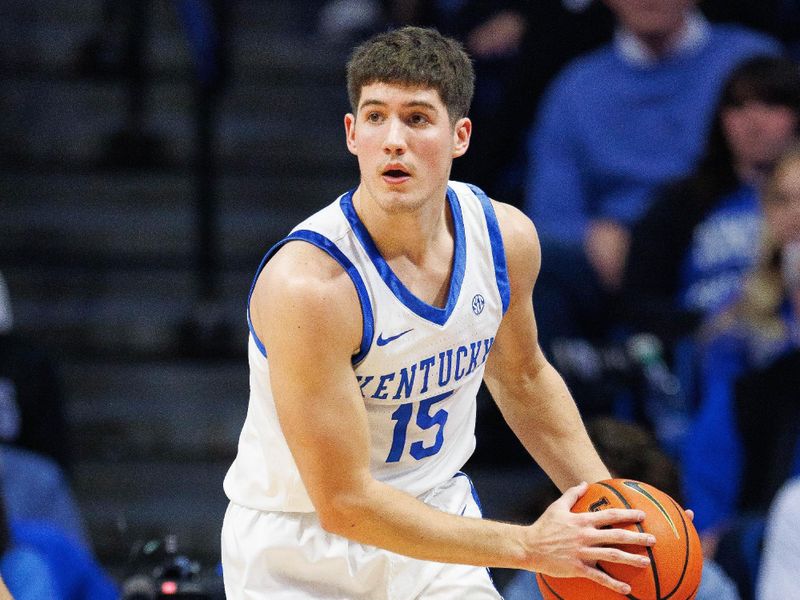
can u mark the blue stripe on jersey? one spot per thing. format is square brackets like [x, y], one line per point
[472, 489]
[267, 256]
[498, 251]
[433, 314]
[323, 243]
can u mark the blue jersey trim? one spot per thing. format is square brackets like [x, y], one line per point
[267, 256]
[472, 489]
[480, 508]
[498, 250]
[431, 313]
[323, 243]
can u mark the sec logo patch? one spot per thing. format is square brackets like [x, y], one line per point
[477, 304]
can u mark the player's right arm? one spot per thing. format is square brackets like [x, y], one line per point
[305, 309]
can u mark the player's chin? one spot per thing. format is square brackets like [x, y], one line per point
[402, 202]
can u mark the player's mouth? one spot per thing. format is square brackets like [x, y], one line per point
[394, 175]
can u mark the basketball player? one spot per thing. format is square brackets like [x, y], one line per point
[371, 327]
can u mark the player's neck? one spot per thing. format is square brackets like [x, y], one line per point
[410, 233]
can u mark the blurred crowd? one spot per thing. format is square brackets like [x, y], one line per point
[45, 551]
[655, 144]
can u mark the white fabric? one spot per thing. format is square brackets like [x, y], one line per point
[288, 556]
[780, 564]
[419, 390]
[693, 36]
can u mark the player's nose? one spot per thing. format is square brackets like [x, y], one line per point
[395, 140]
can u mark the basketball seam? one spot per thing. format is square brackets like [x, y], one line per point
[649, 550]
[693, 594]
[555, 593]
[686, 557]
[552, 591]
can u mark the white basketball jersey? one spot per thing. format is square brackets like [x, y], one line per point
[419, 366]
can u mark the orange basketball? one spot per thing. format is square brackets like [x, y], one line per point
[676, 560]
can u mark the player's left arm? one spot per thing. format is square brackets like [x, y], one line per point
[531, 395]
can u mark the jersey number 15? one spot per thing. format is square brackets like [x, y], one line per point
[424, 421]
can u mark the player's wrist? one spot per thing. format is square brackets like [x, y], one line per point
[524, 551]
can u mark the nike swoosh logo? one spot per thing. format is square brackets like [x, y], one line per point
[382, 341]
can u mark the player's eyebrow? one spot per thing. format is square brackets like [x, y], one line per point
[411, 104]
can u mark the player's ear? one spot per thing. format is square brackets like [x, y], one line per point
[461, 134]
[350, 132]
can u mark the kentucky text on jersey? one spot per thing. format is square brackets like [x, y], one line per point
[434, 372]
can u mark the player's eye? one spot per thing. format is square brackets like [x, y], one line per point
[418, 119]
[374, 117]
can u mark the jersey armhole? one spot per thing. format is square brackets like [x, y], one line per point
[326, 245]
[496, 242]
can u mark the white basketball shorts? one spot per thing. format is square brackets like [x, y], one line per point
[289, 556]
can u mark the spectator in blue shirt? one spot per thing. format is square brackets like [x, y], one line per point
[76, 575]
[613, 126]
[691, 251]
[24, 569]
[35, 488]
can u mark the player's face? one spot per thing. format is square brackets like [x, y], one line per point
[651, 17]
[405, 144]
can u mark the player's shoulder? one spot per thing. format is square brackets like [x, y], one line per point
[520, 243]
[301, 283]
[304, 274]
[306, 255]
[515, 226]
[299, 263]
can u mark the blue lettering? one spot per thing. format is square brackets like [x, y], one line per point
[380, 392]
[425, 366]
[403, 416]
[468, 358]
[425, 421]
[474, 352]
[365, 381]
[442, 381]
[487, 345]
[459, 375]
[406, 382]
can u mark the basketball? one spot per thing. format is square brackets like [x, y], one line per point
[676, 560]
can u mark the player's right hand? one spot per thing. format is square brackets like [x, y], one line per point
[567, 544]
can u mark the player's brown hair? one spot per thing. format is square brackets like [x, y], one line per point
[415, 57]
